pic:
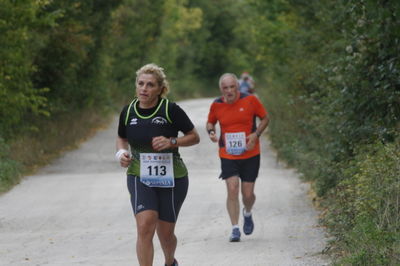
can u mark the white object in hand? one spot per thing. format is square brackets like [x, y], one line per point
[119, 153]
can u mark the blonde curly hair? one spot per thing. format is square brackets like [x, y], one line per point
[158, 73]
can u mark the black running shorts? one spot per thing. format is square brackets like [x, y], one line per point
[166, 201]
[246, 169]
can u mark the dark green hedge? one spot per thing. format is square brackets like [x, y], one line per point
[334, 98]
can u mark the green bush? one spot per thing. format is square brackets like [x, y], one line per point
[332, 68]
[9, 169]
[367, 202]
[52, 61]
[18, 45]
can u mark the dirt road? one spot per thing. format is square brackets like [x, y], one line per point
[76, 211]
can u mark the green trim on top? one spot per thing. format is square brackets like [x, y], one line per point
[150, 116]
[134, 102]
[127, 112]
[166, 111]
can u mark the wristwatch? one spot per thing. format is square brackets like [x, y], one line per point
[173, 141]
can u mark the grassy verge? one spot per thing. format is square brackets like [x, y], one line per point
[10, 170]
[364, 209]
[28, 152]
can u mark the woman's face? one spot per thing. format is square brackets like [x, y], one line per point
[147, 90]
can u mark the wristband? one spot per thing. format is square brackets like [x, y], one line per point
[119, 153]
[258, 134]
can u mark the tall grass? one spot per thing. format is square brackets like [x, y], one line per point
[29, 151]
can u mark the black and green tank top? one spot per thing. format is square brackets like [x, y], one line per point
[140, 127]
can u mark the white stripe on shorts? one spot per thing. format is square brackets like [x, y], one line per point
[136, 192]
[173, 205]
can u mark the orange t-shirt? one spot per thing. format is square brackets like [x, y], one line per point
[239, 116]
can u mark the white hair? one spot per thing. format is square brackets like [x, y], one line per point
[228, 75]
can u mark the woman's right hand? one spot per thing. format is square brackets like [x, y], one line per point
[124, 157]
[125, 160]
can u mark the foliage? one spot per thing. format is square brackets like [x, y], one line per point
[370, 197]
[172, 47]
[72, 61]
[194, 41]
[9, 174]
[17, 93]
[334, 102]
[52, 55]
[52, 62]
[135, 27]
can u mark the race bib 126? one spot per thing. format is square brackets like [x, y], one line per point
[235, 143]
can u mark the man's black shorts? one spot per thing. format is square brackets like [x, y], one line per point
[246, 169]
[166, 201]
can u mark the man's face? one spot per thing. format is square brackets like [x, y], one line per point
[229, 89]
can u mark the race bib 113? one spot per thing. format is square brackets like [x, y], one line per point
[156, 169]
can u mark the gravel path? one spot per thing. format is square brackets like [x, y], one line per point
[76, 211]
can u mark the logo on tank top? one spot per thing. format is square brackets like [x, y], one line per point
[241, 109]
[159, 120]
[133, 121]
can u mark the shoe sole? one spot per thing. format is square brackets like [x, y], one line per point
[249, 233]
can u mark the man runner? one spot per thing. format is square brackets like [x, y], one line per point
[239, 147]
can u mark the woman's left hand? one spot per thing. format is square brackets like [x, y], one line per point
[161, 143]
